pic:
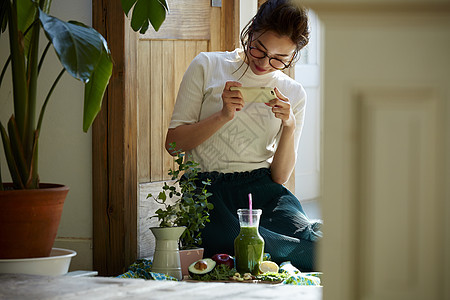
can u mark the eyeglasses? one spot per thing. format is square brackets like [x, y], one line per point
[274, 62]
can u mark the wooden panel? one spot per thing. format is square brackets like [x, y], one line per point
[187, 20]
[181, 63]
[143, 100]
[169, 92]
[100, 192]
[156, 105]
[113, 153]
[161, 65]
[215, 42]
[398, 182]
[201, 46]
[127, 235]
[229, 25]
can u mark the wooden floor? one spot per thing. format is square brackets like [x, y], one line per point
[18, 286]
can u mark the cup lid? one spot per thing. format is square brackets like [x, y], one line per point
[247, 211]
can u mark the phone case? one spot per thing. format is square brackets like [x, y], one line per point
[256, 94]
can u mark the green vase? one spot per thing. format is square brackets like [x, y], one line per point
[167, 255]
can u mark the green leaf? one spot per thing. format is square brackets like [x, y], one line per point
[17, 149]
[79, 48]
[83, 52]
[26, 13]
[162, 196]
[145, 11]
[95, 90]
[13, 170]
[127, 5]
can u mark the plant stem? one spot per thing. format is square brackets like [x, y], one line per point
[44, 106]
[4, 69]
[33, 180]
[18, 69]
[17, 149]
[43, 56]
[32, 75]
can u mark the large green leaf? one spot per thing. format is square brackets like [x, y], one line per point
[128, 4]
[95, 89]
[146, 12]
[26, 13]
[78, 47]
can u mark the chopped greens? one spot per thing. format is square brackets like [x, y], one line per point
[223, 272]
[220, 272]
[272, 276]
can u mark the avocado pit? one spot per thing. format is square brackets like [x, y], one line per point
[201, 267]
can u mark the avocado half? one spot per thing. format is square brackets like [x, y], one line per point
[201, 267]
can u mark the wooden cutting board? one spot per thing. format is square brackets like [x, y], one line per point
[189, 279]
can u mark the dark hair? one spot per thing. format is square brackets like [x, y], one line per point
[284, 17]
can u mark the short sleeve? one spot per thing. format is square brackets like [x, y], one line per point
[190, 95]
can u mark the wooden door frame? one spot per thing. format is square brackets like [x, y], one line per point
[114, 142]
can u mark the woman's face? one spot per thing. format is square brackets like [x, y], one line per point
[269, 46]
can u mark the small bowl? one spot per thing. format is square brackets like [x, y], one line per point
[56, 264]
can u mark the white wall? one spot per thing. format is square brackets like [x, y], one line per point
[65, 150]
[307, 168]
[247, 10]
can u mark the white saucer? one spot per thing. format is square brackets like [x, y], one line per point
[56, 264]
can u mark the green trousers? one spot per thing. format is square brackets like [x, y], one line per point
[288, 233]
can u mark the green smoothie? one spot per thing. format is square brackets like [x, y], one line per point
[248, 250]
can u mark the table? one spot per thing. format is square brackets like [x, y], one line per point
[21, 286]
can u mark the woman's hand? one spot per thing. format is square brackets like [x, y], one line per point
[232, 100]
[281, 108]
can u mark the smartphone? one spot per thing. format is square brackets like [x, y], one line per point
[256, 94]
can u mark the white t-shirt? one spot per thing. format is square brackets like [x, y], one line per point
[249, 141]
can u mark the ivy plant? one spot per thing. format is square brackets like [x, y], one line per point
[190, 206]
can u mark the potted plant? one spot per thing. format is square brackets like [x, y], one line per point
[189, 207]
[84, 54]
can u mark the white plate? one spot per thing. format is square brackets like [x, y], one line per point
[56, 264]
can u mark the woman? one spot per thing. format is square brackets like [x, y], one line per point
[248, 147]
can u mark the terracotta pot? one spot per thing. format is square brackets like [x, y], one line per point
[29, 220]
[188, 256]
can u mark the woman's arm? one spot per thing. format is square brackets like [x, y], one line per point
[189, 136]
[284, 159]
